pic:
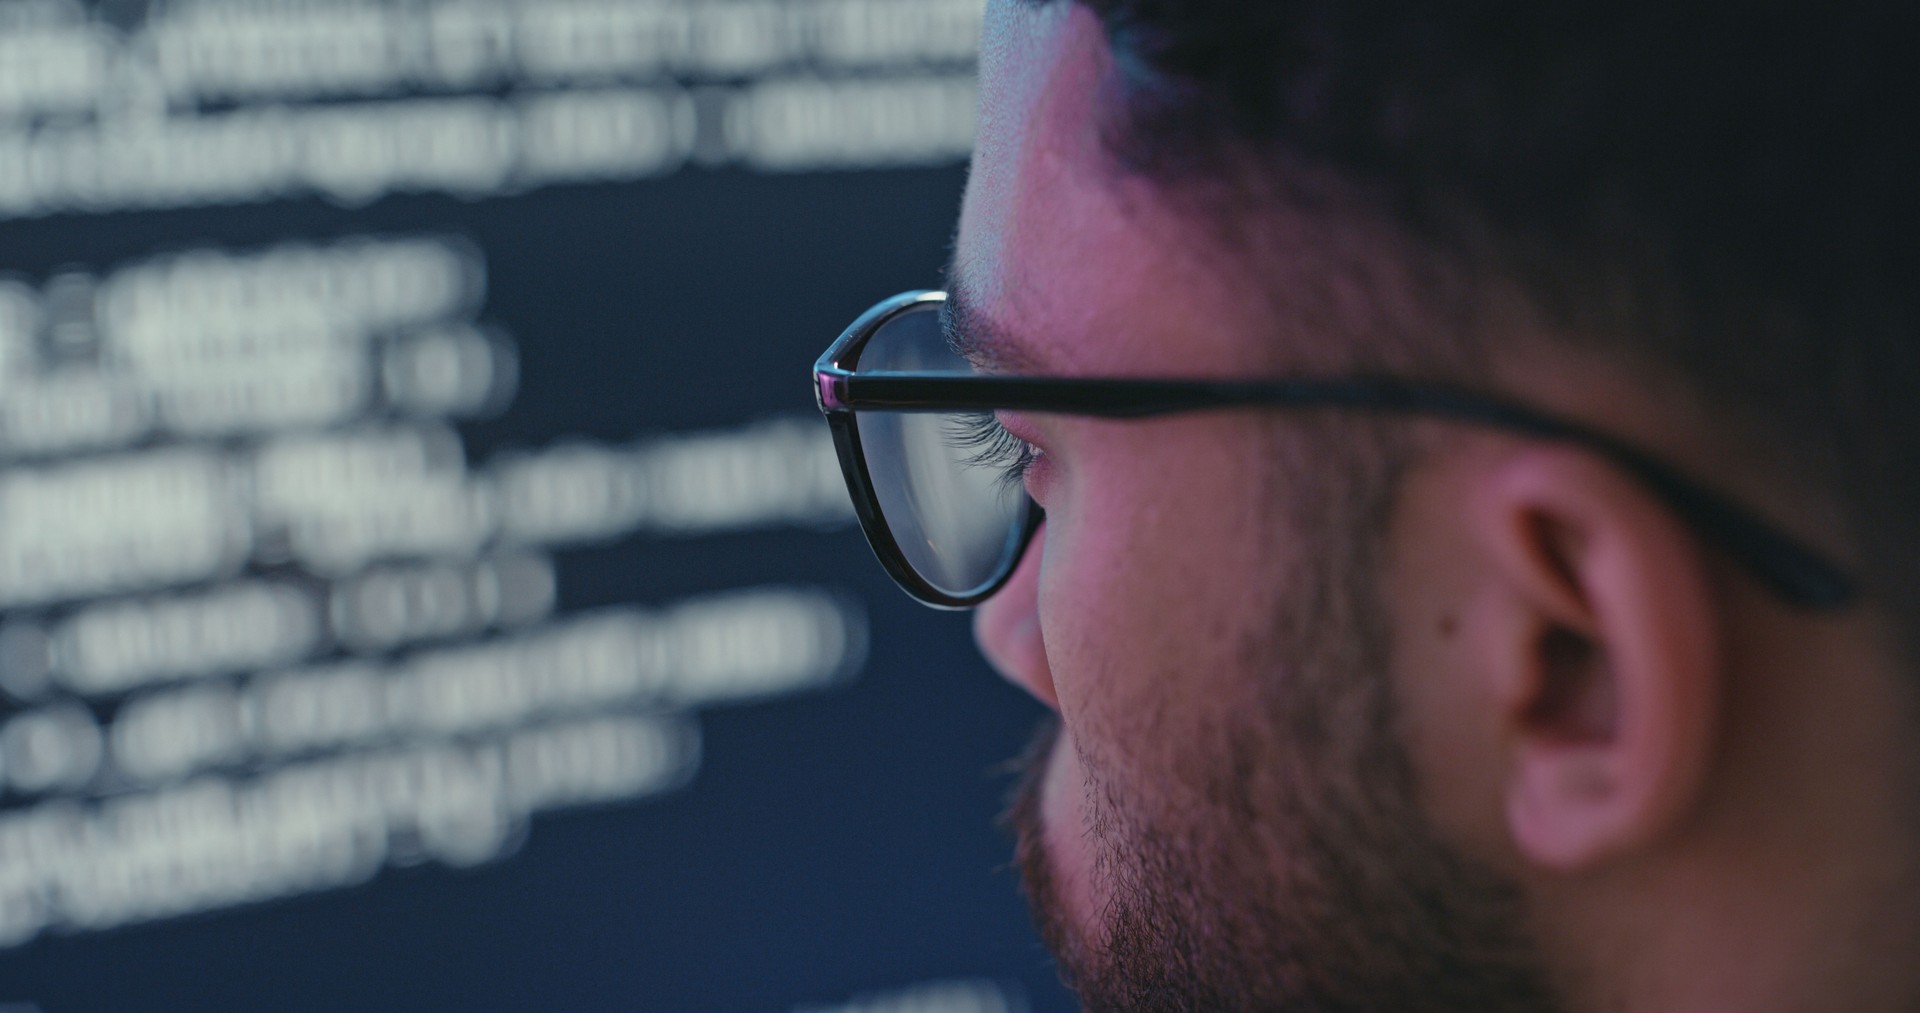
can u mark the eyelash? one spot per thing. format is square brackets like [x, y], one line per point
[992, 446]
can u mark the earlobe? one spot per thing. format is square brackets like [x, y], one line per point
[1607, 661]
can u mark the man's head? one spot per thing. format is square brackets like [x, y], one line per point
[1374, 713]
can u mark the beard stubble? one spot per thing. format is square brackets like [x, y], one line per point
[1368, 910]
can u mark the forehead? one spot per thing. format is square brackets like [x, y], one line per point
[1088, 269]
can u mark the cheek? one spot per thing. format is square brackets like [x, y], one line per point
[1106, 624]
[1154, 575]
[1158, 580]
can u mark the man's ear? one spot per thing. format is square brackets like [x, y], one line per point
[1605, 656]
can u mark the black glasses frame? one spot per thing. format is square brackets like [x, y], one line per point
[1795, 572]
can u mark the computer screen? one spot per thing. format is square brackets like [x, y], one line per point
[425, 580]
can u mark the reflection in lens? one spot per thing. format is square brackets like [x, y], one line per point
[952, 513]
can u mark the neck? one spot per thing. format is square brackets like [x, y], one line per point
[1843, 938]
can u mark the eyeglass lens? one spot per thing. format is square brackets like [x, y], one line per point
[955, 516]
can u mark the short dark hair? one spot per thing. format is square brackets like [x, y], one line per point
[1730, 192]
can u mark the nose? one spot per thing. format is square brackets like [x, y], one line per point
[1007, 628]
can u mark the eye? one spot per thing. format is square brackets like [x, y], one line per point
[983, 442]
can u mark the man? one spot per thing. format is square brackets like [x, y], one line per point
[1552, 645]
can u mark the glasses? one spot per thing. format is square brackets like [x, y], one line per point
[937, 485]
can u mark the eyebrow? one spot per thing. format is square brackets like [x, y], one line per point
[978, 338]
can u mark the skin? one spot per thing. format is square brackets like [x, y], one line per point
[1631, 777]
